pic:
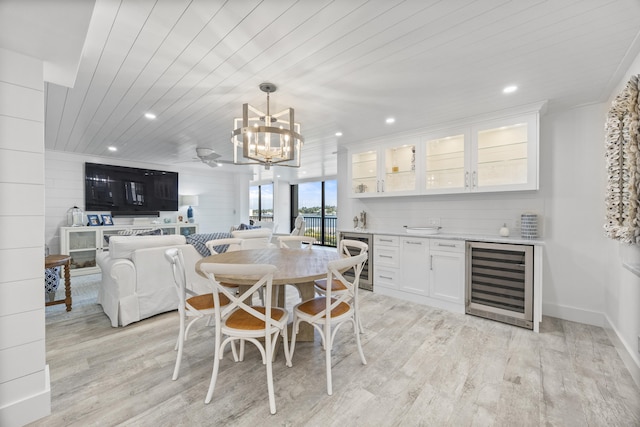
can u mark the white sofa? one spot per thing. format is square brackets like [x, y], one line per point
[136, 278]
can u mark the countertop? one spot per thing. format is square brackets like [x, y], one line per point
[515, 240]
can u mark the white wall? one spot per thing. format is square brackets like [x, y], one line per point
[573, 182]
[24, 379]
[219, 193]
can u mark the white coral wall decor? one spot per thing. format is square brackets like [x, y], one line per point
[622, 157]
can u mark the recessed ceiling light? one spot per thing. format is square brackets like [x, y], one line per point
[338, 133]
[510, 89]
[150, 116]
[112, 148]
[390, 120]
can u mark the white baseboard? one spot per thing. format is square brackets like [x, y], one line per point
[573, 314]
[626, 352]
[30, 409]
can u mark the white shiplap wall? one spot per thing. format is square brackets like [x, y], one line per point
[219, 193]
[24, 380]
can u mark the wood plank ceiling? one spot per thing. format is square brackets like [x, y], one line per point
[343, 65]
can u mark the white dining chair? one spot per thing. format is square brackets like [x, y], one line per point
[228, 244]
[327, 313]
[238, 321]
[296, 242]
[348, 248]
[190, 305]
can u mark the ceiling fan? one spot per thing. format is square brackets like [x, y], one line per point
[209, 157]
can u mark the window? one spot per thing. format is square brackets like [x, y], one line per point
[261, 202]
[317, 203]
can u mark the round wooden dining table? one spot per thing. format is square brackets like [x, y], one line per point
[297, 267]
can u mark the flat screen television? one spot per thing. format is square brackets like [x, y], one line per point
[129, 191]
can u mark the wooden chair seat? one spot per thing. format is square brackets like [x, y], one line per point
[205, 302]
[336, 285]
[242, 320]
[318, 305]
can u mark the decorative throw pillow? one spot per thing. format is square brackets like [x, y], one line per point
[248, 227]
[141, 232]
[51, 279]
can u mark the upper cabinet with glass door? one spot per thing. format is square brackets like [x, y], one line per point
[505, 155]
[500, 155]
[385, 171]
[492, 155]
[446, 162]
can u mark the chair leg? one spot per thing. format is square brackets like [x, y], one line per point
[285, 339]
[358, 342]
[272, 399]
[179, 347]
[327, 354]
[294, 332]
[216, 366]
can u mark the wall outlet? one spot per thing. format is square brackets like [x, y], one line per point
[433, 222]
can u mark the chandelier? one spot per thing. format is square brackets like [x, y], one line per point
[266, 139]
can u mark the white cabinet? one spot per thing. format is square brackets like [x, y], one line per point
[387, 170]
[386, 262]
[447, 270]
[485, 156]
[425, 270]
[497, 155]
[414, 265]
[84, 243]
[401, 264]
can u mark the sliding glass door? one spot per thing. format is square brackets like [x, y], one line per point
[317, 203]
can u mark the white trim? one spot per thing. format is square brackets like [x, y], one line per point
[573, 314]
[628, 356]
[32, 408]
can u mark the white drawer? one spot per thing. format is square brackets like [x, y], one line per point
[383, 240]
[386, 255]
[386, 277]
[448, 245]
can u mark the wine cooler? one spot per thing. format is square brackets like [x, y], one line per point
[500, 282]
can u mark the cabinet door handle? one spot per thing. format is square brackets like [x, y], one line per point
[446, 245]
[414, 243]
[386, 277]
[382, 185]
[386, 240]
[385, 256]
[466, 179]
[431, 262]
[475, 179]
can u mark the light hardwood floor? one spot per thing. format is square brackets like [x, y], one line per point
[425, 367]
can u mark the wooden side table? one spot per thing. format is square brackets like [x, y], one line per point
[58, 261]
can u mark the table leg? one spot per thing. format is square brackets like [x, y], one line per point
[67, 285]
[306, 331]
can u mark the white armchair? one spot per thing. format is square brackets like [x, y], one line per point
[136, 279]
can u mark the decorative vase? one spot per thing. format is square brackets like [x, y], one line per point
[504, 231]
[190, 214]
